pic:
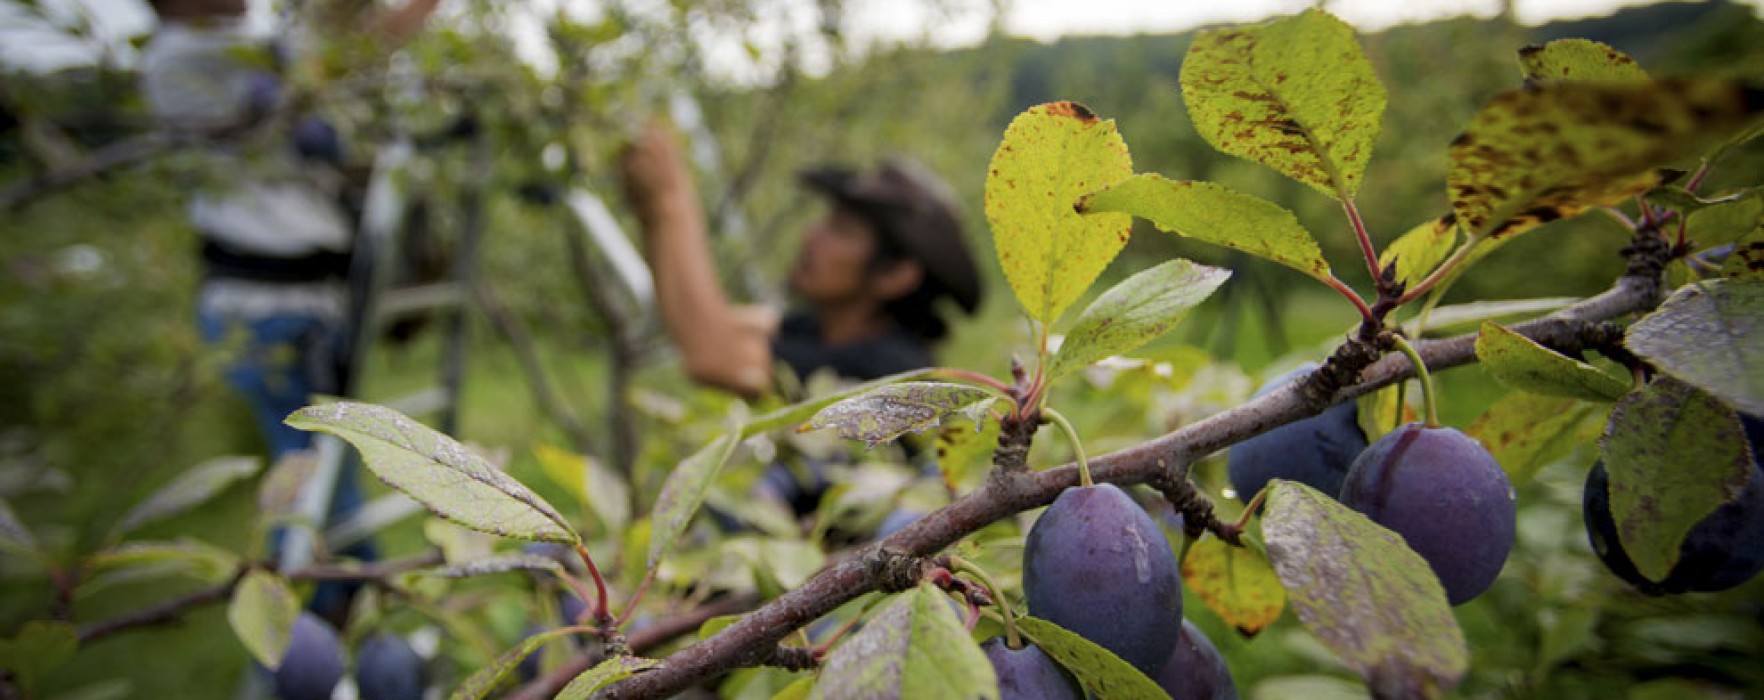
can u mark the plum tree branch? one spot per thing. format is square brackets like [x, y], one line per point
[1009, 491]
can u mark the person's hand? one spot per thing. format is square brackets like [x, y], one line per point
[655, 174]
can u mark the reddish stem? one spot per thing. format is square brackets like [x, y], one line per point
[600, 609]
[1697, 177]
[821, 650]
[1647, 212]
[971, 377]
[1353, 214]
[631, 607]
[1346, 291]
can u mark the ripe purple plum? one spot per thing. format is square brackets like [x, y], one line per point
[1723, 550]
[314, 662]
[1195, 670]
[1028, 673]
[1316, 451]
[1097, 565]
[386, 668]
[1448, 498]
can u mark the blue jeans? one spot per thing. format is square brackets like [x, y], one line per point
[284, 360]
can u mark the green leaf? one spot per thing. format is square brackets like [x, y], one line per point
[1296, 95]
[1578, 59]
[190, 489]
[1521, 363]
[790, 416]
[133, 561]
[1134, 312]
[1550, 152]
[452, 480]
[1526, 432]
[40, 647]
[1686, 202]
[280, 487]
[1674, 455]
[684, 493]
[486, 679]
[1420, 250]
[497, 564]
[914, 648]
[1379, 413]
[1102, 673]
[1214, 213]
[1710, 335]
[886, 413]
[262, 614]
[1713, 226]
[1051, 155]
[1235, 582]
[1360, 589]
[797, 690]
[604, 674]
[716, 624]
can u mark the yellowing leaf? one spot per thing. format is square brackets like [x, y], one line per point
[1538, 154]
[262, 614]
[1051, 155]
[1527, 432]
[1211, 212]
[1578, 59]
[1420, 250]
[1296, 95]
[1235, 582]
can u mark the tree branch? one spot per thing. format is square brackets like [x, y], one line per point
[174, 609]
[750, 641]
[642, 641]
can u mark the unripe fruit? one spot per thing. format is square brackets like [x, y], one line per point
[1195, 670]
[1316, 451]
[1028, 673]
[314, 662]
[1723, 550]
[1097, 565]
[1448, 498]
[386, 668]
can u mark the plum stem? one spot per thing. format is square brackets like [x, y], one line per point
[1425, 379]
[1012, 638]
[1077, 447]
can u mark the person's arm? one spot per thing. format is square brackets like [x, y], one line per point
[402, 23]
[723, 345]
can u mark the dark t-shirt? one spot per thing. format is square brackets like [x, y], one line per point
[799, 345]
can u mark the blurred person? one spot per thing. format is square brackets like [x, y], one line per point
[870, 277]
[275, 237]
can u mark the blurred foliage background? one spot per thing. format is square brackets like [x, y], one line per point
[106, 391]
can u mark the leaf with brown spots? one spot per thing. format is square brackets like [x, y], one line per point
[1051, 155]
[1578, 59]
[1746, 262]
[1534, 155]
[1527, 432]
[1521, 363]
[1235, 582]
[1214, 213]
[1364, 594]
[1420, 250]
[1674, 455]
[1296, 95]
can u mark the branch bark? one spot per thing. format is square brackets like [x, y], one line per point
[750, 640]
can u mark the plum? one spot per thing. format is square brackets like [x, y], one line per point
[386, 668]
[1097, 565]
[896, 521]
[1315, 451]
[1448, 498]
[314, 662]
[1195, 670]
[570, 608]
[1723, 550]
[1028, 673]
